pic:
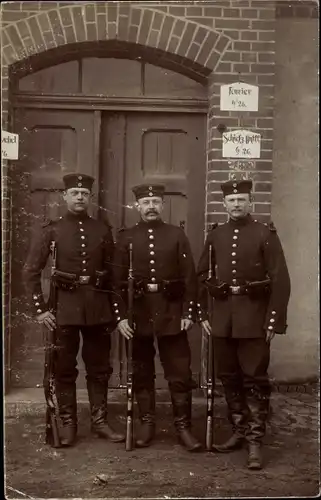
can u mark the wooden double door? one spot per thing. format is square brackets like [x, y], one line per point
[120, 149]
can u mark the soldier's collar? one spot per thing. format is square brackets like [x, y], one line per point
[153, 223]
[241, 222]
[72, 216]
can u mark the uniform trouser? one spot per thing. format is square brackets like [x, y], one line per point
[175, 357]
[96, 356]
[242, 366]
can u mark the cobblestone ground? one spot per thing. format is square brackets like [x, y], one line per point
[164, 470]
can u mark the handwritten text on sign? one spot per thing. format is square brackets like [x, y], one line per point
[241, 144]
[239, 97]
[9, 146]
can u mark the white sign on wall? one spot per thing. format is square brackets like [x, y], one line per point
[9, 146]
[241, 144]
[239, 97]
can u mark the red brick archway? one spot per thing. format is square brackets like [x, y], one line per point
[128, 23]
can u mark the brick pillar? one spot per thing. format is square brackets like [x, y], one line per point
[249, 57]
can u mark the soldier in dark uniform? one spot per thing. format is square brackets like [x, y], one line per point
[251, 289]
[164, 308]
[85, 250]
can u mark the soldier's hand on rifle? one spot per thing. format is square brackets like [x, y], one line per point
[125, 329]
[186, 324]
[47, 319]
[207, 327]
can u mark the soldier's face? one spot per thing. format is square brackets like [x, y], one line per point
[237, 205]
[77, 199]
[150, 208]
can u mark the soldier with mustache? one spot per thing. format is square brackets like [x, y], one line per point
[164, 308]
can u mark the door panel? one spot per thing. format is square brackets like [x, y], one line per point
[157, 148]
[52, 143]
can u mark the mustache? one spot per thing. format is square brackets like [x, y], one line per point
[151, 212]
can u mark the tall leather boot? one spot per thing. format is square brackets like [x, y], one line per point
[258, 403]
[182, 410]
[97, 394]
[146, 407]
[237, 415]
[67, 402]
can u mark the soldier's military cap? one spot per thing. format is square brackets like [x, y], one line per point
[236, 187]
[78, 180]
[145, 190]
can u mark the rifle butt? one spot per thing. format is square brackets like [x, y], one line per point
[56, 443]
[49, 434]
[129, 433]
[129, 420]
[52, 430]
[209, 433]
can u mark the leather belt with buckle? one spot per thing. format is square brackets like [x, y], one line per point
[84, 280]
[237, 290]
[153, 287]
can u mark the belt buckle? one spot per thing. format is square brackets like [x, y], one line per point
[236, 290]
[152, 287]
[84, 280]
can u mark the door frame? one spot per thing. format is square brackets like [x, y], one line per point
[85, 102]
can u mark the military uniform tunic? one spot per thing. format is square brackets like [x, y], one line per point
[245, 251]
[161, 252]
[84, 246]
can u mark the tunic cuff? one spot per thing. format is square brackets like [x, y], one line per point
[38, 304]
[189, 310]
[202, 314]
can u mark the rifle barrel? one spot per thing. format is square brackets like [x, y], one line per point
[210, 366]
[130, 396]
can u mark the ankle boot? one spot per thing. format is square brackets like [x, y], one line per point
[182, 410]
[67, 402]
[97, 394]
[146, 407]
[237, 415]
[258, 399]
[68, 436]
[146, 431]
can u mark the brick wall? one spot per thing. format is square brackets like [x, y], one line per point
[222, 41]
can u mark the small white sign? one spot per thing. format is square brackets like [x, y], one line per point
[239, 97]
[241, 144]
[9, 146]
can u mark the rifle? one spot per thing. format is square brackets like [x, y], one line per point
[52, 431]
[210, 369]
[130, 395]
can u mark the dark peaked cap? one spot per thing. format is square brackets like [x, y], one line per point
[78, 181]
[236, 187]
[144, 190]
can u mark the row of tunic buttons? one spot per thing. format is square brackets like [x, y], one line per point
[152, 253]
[83, 245]
[272, 320]
[190, 310]
[199, 311]
[116, 310]
[234, 245]
[37, 303]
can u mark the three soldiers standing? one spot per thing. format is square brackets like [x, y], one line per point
[250, 291]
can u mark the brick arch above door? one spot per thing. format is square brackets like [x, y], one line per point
[185, 42]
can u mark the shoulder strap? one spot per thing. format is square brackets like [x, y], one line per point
[272, 227]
